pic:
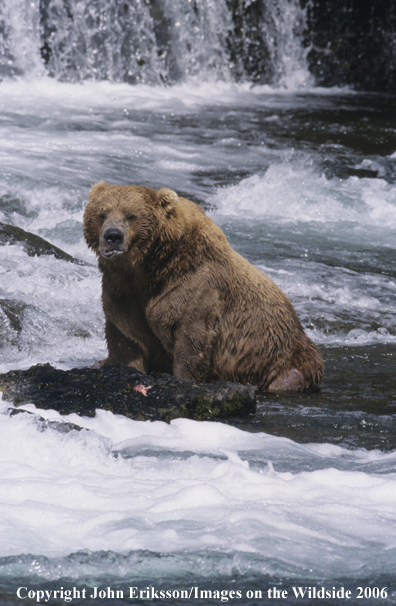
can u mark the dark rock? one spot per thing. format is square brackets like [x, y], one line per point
[83, 390]
[11, 313]
[33, 245]
[44, 424]
[352, 43]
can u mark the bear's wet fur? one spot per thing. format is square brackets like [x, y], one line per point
[178, 299]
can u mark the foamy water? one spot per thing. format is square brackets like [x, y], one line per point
[295, 191]
[123, 485]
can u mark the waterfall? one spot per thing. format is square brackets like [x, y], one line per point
[288, 53]
[98, 39]
[198, 32]
[20, 38]
[154, 41]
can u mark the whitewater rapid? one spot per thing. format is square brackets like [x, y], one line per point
[121, 485]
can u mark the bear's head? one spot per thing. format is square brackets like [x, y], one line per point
[123, 219]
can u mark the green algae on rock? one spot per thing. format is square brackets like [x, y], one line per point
[126, 391]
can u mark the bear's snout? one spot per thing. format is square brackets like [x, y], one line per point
[112, 241]
[113, 237]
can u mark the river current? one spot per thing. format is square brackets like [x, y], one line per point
[300, 495]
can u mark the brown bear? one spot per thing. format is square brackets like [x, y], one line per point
[178, 299]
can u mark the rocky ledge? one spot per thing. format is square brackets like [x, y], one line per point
[33, 245]
[126, 391]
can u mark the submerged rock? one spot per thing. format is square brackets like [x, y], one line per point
[126, 391]
[11, 314]
[33, 245]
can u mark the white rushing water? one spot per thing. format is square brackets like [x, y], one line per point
[123, 485]
[154, 42]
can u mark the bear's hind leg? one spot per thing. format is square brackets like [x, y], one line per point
[292, 380]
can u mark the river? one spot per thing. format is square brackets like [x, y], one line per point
[297, 499]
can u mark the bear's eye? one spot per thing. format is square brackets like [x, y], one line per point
[102, 216]
[130, 217]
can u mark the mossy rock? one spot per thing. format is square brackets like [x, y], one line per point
[119, 389]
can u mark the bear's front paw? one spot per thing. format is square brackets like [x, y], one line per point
[100, 363]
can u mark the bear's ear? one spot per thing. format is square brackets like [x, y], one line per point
[96, 189]
[167, 198]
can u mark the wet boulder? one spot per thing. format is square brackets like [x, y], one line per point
[33, 245]
[11, 314]
[126, 391]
